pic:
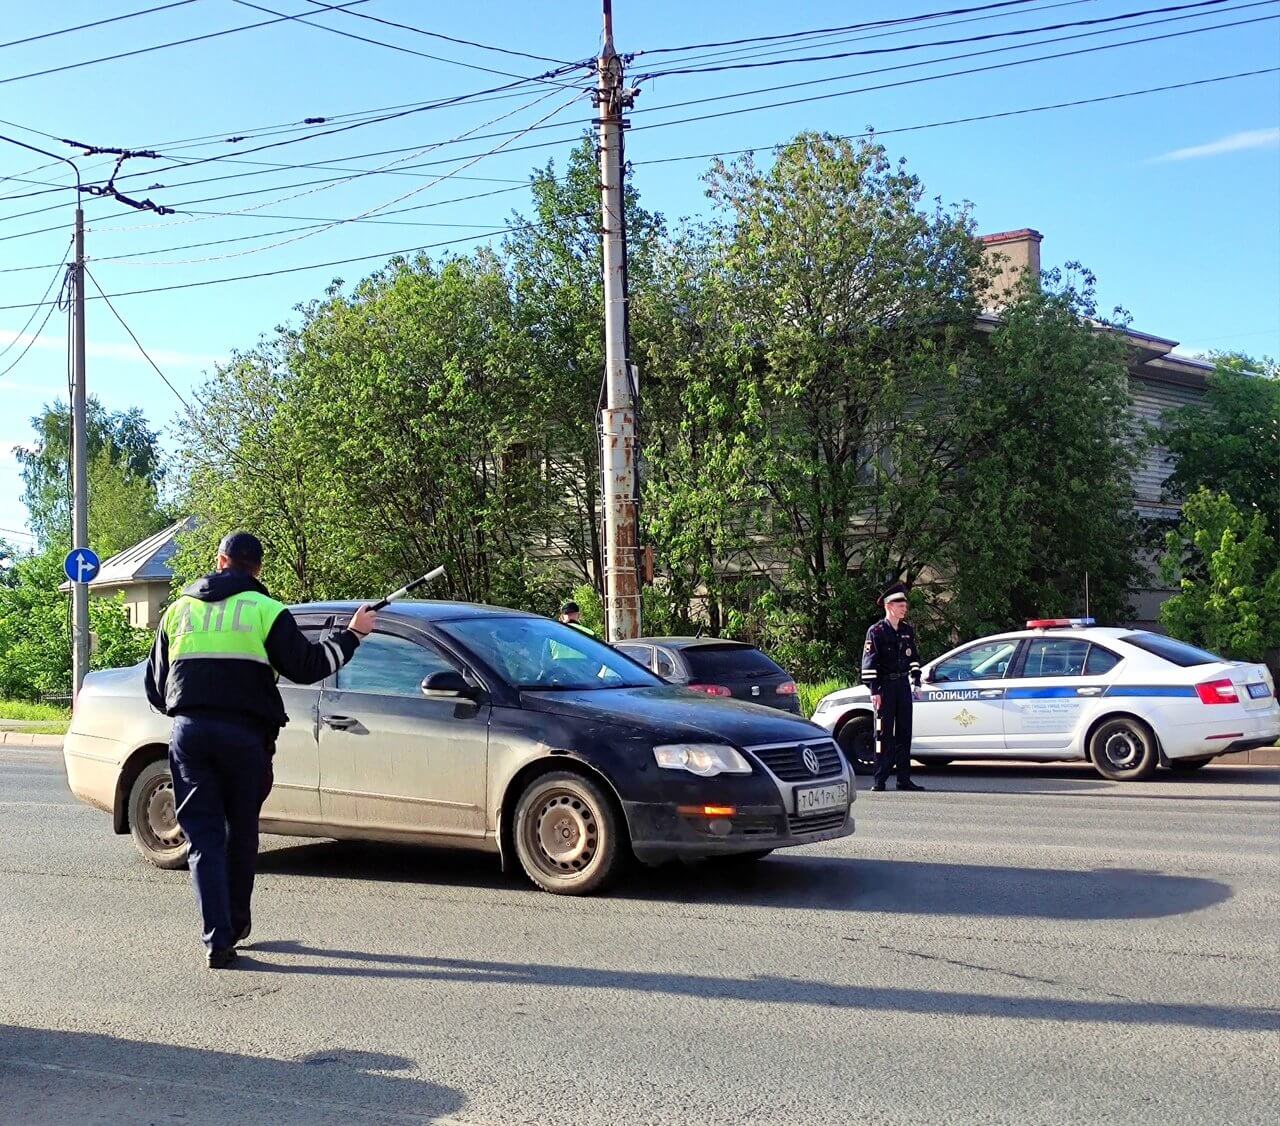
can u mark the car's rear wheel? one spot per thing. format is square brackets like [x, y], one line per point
[1189, 763]
[567, 835]
[1124, 750]
[153, 822]
[857, 740]
[933, 761]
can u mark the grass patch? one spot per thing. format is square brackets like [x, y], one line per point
[810, 694]
[34, 713]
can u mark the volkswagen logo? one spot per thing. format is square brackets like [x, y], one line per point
[810, 757]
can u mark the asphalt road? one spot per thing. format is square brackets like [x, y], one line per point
[1020, 944]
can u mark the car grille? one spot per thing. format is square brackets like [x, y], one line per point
[818, 823]
[787, 762]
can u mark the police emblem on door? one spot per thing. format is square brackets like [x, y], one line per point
[810, 757]
[965, 718]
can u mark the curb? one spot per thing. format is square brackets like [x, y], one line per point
[1263, 756]
[29, 739]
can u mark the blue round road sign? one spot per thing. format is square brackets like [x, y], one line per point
[81, 565]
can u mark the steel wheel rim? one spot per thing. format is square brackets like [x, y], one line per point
[864, 749]
[1122, 750]
[160, 819]
[563, 834]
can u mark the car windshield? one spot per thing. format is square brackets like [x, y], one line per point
[707, 662]
[1176, 652]
[539, 653]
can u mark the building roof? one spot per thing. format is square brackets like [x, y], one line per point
[147, 561]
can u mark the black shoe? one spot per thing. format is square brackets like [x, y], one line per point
[878, 787]
[909, 785]
[221, 959]
[243, 936]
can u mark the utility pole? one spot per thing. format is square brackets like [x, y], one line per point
[79, 482]
[619, 454]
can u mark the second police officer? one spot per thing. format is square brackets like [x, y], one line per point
[890, 668]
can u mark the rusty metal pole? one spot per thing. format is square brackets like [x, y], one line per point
[618, 419]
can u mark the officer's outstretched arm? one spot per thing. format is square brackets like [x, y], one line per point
[157, 675]
[303, 661]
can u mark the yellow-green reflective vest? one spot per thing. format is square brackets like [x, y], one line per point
[232, 630]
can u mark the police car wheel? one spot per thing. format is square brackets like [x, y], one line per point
[1124, 750]
[857, 740]
[567, 834]
[153, 823]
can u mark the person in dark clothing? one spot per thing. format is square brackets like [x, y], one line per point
[890, 667]
[213, 669]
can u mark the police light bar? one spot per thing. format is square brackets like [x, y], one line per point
[1052, 623]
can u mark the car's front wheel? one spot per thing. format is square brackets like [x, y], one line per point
[1124, 750]
[153, 822]
[857, 740]
[567, 835]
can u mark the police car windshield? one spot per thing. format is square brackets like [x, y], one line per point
[535, 653]
[1175, 652]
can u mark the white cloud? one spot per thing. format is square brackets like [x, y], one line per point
[165, 357]
[1236, 142]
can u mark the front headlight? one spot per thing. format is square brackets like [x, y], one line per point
[824, 706]
[703, 759]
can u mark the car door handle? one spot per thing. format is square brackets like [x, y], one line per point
[339, 722]
[991, 693]
[1088, 691]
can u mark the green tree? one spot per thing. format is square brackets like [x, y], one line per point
[1228, 441]
[1224, 565]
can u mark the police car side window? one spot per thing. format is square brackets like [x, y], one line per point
[1055, 656]
[981, 662]
[390, 666]
[1099, 661]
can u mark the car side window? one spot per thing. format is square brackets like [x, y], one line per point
[666, 667]
[641, 654]
[391, 666]
[988, 661]
[1055, 656]
[1099, 661]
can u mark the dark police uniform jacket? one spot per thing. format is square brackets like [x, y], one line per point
[221, 644]
[890, 655]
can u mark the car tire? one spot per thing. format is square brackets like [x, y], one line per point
[736, 859]
[934, 762]
[1124, 750]
[1188, 764]
[152, 821]
[568, 836]
[857, 741]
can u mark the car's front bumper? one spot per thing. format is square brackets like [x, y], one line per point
[662, 831]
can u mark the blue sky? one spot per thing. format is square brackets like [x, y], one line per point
[1172, 198]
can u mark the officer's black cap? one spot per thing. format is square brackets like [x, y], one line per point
[571, 608]
[244, 549]
[896, 592]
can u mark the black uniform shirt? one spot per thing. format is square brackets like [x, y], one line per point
[890, 652]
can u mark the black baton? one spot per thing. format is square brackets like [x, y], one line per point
[408, 588]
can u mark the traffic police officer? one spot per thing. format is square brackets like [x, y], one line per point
[571, 615]
[211, 668]
[890, 666]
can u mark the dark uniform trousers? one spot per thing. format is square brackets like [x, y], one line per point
[221, 768]
[894, 750]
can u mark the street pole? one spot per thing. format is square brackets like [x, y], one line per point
[618, 418]
[79, 481]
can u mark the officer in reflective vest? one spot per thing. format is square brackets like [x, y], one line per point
[890, 667]
[213, 668]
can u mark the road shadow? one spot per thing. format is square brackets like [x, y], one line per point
[60, 1077]
[795, 880]
[760, 989]
[1016, 778]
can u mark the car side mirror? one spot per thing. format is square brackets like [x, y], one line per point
[447, 684]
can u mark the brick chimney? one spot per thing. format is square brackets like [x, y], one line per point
[1011, 254]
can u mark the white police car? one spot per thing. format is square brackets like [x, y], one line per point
[1065, 689]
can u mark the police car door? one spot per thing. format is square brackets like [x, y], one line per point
[1056, 687]
[390, 758]
[960, 709]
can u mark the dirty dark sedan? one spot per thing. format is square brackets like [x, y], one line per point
[476, 727]
[716, 667]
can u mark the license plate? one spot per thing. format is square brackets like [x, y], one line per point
[1258, 691]
[818, 799]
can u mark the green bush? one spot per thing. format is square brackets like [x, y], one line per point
[809, 694]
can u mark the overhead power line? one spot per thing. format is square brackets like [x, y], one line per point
[95, 23]
[59, 272]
